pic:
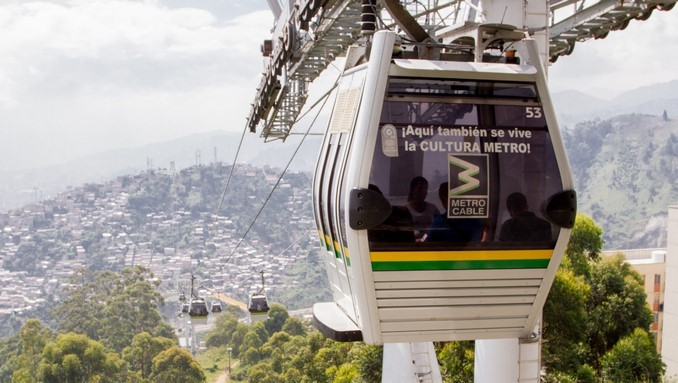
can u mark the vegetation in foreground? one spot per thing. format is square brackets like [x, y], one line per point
[108, 330]
[596, 329]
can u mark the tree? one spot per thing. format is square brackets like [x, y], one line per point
[565, 322]
[293, 327]
[456, 361]
[368, 360]
[633, 359]
[617, 305]
[75, 358]
[346, 373]
[112, 308]
[10, 348]
[176, 365]
[144, 348]
[585, 245]
[34, 337]
[277, 315]
[223, 330]
[594, 302]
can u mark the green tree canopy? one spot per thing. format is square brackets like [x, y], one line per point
[75, 358]
[144, 348]
[176, 365]
[112, 308]
[565, 322]
[293, 326]
[585, 245]
[277, 316]
[34, 337]
[617, 304]
[456, 361]
[633, 359]
[593, 303]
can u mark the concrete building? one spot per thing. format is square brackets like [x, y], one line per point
[651, 265]
[670, 333]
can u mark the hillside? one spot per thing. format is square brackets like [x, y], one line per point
[625, 170]
[23, 186]
[166, 222]
[574, 107]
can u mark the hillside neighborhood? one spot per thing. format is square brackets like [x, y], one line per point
[96, 226]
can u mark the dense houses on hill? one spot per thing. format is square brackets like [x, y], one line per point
[43, 244]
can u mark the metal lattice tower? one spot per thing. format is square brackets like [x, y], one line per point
[315, 32]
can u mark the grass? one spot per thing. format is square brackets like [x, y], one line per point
[214, 362]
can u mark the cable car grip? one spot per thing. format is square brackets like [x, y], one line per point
[367, 208]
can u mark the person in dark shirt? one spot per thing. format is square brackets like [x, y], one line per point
[398, 227]
[523, 225]
[457, 230]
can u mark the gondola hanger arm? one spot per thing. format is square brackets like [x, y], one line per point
[405, 21]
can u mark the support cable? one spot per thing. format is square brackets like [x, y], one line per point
[230, 174]
[242, 238]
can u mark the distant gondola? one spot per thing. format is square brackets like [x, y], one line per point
[198, 308]
[258, 305]
[216, 307]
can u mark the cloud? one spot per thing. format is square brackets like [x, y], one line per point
[102, 45]
[82, 76]
[644, 53]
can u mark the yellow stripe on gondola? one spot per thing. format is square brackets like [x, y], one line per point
[478, 255]
[460, 260]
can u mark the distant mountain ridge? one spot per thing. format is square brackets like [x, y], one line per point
[20, 187]
[573, 107]
[625, 170]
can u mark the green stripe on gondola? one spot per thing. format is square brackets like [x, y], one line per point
[461, 265]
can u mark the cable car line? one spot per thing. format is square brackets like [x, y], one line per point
[249, 228]
[320, 99]
[296, 240]
[230, 174]
[242, 137]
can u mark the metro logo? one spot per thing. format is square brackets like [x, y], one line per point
[466, 176]
[468, 194]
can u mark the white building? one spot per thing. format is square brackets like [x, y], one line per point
[670, 333]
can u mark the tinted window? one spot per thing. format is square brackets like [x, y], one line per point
[484, 154]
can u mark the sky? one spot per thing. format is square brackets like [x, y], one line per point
[83, 76]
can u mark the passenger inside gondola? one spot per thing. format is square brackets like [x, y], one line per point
[398, 227]
[450, 229]
[523, 225]
[422, 212]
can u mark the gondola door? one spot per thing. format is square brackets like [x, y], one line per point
[327, 197]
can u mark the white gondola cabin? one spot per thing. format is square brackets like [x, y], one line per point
[257, 306]
[444, 198]
[216, 307]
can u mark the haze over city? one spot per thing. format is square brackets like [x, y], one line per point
[81, 77]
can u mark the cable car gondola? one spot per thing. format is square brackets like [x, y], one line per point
[198, 308]
[484, 139]
[216, 307]
[258, 305]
